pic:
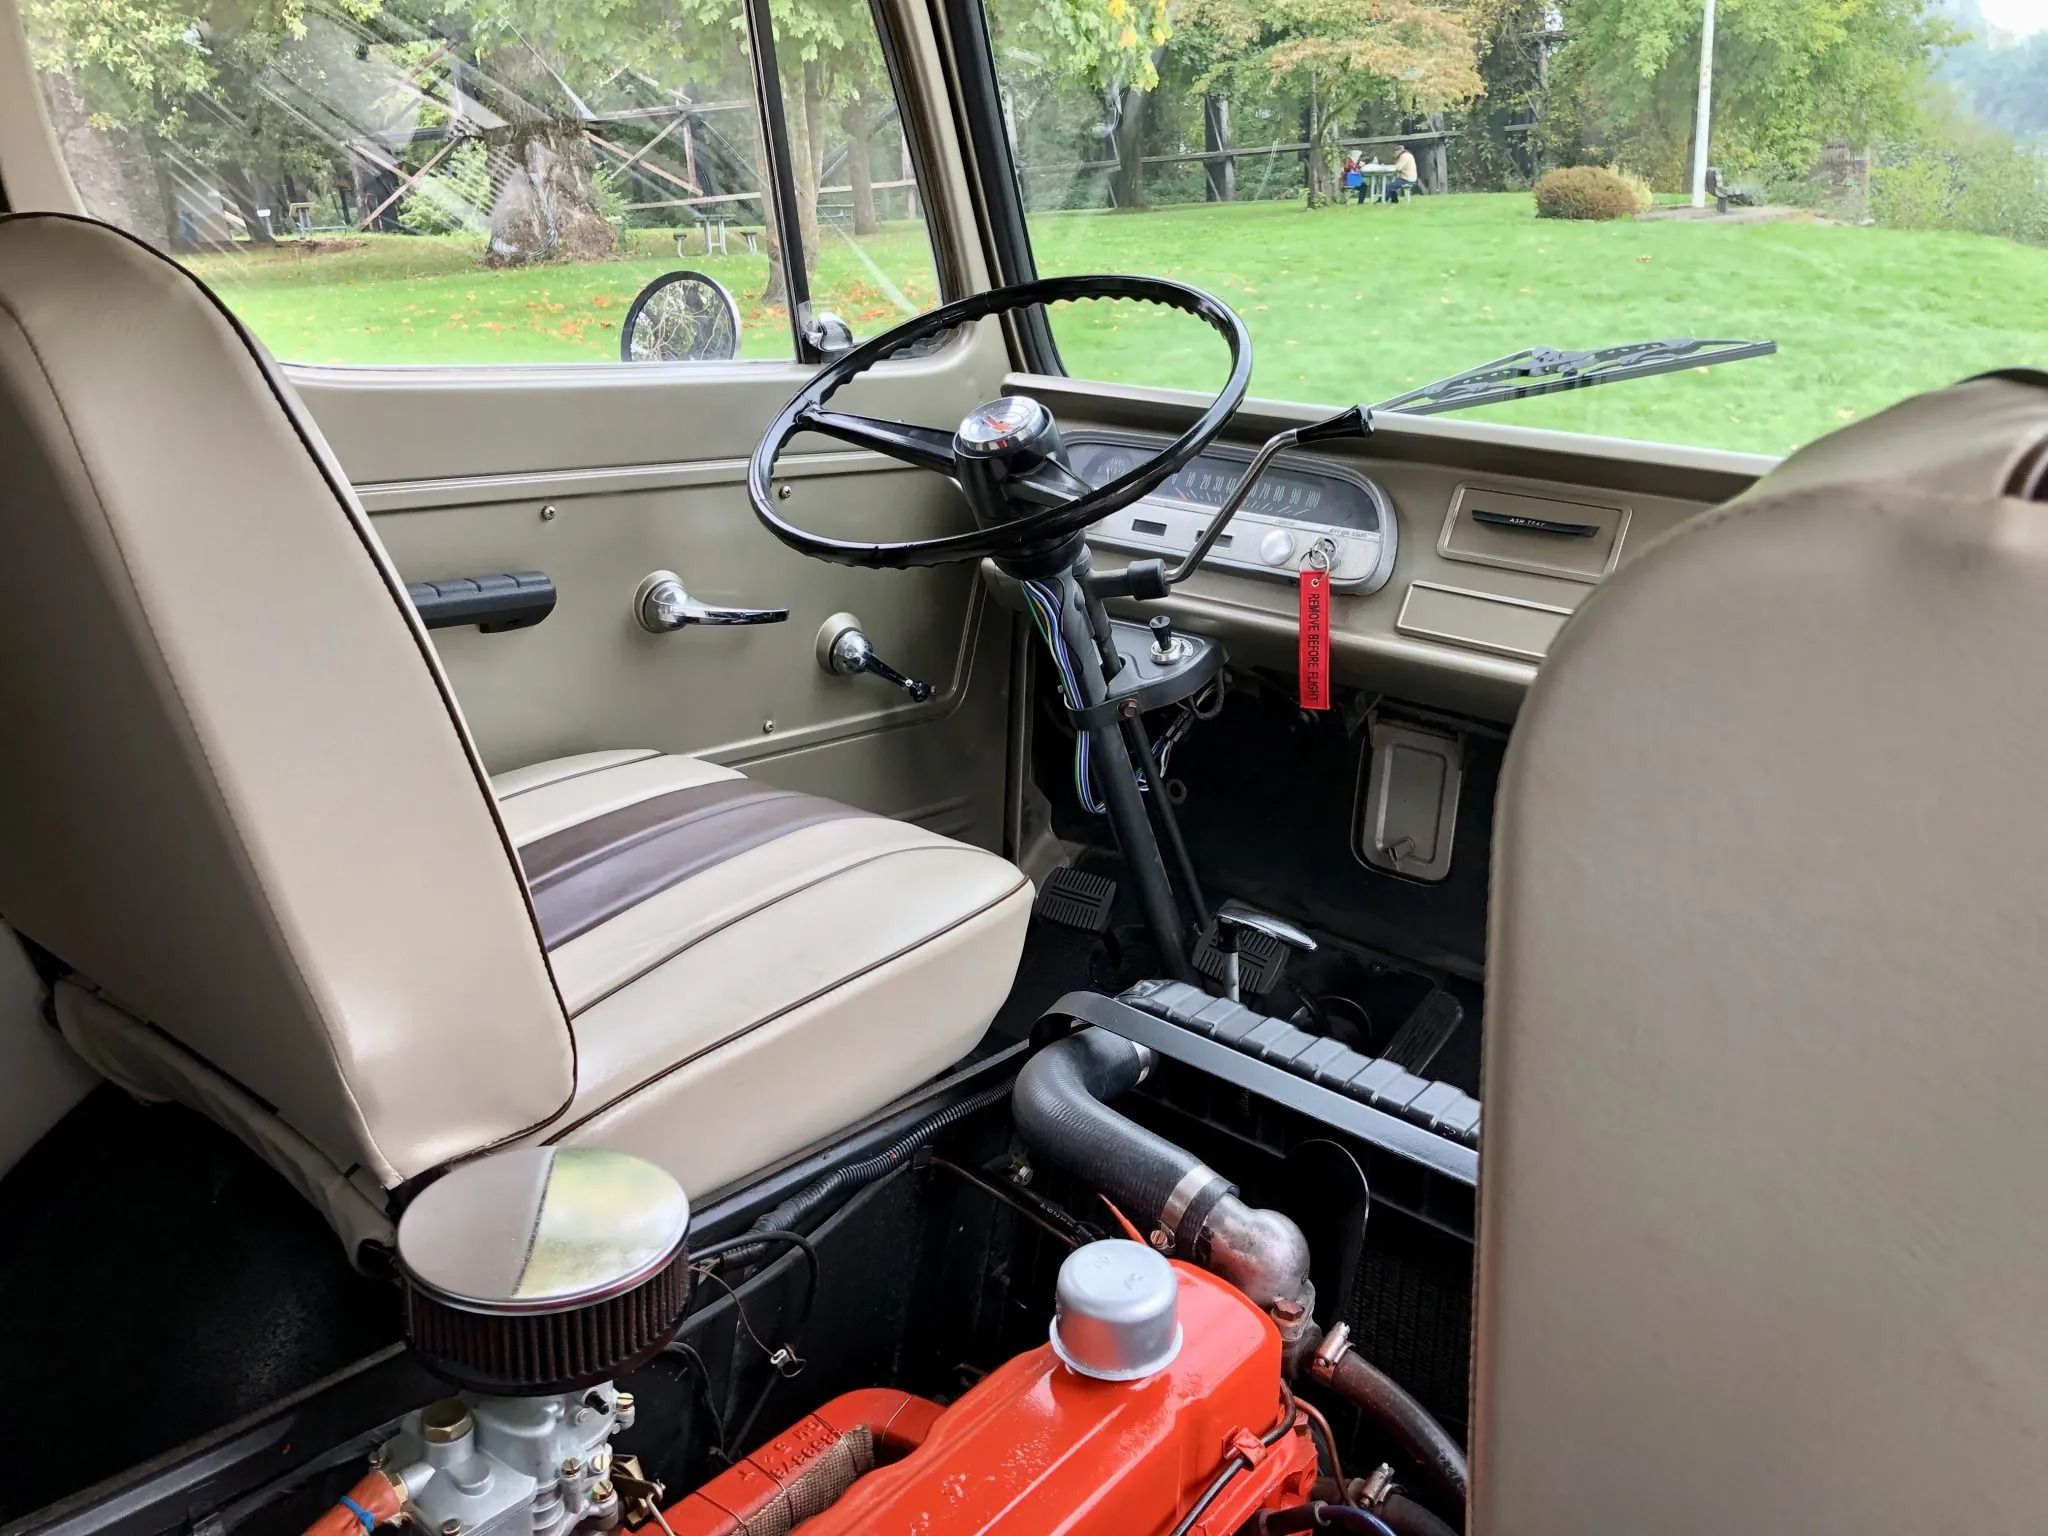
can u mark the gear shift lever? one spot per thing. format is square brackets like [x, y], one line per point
[1233, 920]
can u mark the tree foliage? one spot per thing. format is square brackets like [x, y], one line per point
[1338, 56]
[1790, 76]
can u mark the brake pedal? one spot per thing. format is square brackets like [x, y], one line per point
[1074, 898]
[1261, 961]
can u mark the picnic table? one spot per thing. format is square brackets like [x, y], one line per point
[715, 224]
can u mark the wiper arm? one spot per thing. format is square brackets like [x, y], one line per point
[1548, 370]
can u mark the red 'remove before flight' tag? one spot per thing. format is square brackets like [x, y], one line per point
[1315, 639]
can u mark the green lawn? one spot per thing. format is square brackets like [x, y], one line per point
[1344, 304]
[430, 299]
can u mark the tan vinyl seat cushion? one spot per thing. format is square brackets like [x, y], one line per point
[239, 801]
[782, 959]
[1764, 1221]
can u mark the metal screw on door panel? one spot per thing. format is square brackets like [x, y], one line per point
[784, 492]
[547, 513]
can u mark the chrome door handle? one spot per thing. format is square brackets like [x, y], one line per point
[662, 606]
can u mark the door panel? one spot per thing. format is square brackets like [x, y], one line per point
[600, 477]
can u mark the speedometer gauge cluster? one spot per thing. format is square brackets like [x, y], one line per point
[1302, 510]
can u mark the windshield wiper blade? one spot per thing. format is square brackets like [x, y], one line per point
[1548, 370]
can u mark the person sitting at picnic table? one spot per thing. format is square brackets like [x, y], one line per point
[1354, 177]
[1404, 175]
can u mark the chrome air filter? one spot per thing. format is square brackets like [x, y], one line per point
[538, 1270]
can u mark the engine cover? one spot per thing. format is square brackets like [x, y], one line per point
[1034, 1447]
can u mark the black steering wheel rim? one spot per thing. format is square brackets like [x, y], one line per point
[1033, 529]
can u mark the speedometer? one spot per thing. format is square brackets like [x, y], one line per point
[1286, 490]
[1300, 503]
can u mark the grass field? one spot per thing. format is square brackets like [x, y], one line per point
[1344, 304]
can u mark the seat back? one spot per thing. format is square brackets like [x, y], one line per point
[235, 792]
[1764, 1227]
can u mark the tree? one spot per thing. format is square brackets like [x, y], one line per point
[1110, 49]
[1789, 77]
[1339, 56]
[2002, 80]
[185, 73]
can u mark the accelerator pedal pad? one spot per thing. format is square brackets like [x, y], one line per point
[1073, 898]
[1261, 961]
[1427, 1031]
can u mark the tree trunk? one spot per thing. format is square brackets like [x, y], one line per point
[119, 172]
[1318, 152]
[1222, 174]
[546, 203]
[811, 175]
[247, 197]
[1127, 188]
[806, 153]
[860, 163]
[775, 290]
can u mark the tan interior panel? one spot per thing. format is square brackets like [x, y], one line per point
[1505, 626]
[1470, 638]
[1579, 540]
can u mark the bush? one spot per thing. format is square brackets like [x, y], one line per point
[1638, 186]
[1986, 186]
[1585, 192]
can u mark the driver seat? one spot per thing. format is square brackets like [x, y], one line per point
[240, 807]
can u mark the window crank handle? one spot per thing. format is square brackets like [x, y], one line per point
[845, 651]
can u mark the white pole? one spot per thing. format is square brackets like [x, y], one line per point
[1706, 114]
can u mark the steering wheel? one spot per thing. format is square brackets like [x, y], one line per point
[1006, 455]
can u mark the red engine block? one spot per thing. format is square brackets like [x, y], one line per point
[1034, 1449]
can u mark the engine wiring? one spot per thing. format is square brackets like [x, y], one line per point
[1045, 604]
[1290, 1417]
[783, 1359]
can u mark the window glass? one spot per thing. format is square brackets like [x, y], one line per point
[454, 181]
[869, 254]
[1873, 196]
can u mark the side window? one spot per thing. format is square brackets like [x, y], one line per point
[868, 251]
[459, 182]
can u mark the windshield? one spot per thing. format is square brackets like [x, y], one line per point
[1392, 190]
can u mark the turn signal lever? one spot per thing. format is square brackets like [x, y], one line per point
[844, 651]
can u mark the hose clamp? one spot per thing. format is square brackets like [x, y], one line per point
[1322, 1365]
[1192, 1183]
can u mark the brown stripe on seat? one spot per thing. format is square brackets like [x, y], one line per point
[589, 873]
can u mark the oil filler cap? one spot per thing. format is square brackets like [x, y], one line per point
[1117, 1314]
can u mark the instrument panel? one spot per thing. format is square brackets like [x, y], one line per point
[1300, 503]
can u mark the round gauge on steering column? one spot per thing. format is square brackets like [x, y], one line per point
[1002, 427]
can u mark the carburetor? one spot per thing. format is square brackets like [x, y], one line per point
[506, 1466]
[533, 1278]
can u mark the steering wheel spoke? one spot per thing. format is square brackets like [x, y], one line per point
[920, 447]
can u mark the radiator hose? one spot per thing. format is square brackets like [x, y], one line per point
[1058, 1105]
[1410, 1425]
[1059, 1110]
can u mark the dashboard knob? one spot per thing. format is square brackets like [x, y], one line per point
[1277, 547]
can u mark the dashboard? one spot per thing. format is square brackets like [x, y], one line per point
[1302, 509]
[1459, 555]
